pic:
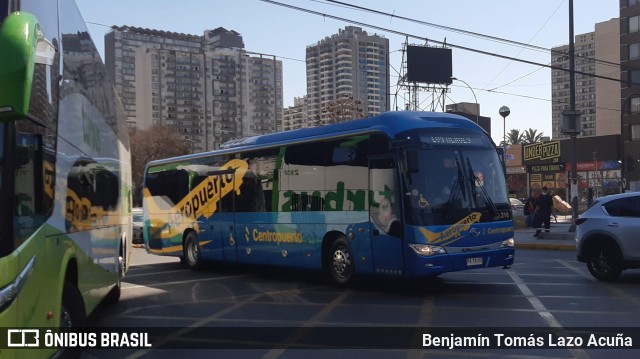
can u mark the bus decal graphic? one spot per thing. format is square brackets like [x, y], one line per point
[453, 232]
[205, 196]
[276, 237]
[202, 201]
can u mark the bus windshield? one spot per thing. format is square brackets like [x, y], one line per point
[449, 183]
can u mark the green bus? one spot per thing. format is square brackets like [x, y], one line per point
[65, 173]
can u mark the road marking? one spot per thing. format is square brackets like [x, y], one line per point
[618, 292]
[197, 324]
[149, 273]
[304, 328]
[544, 312]
[163, 284]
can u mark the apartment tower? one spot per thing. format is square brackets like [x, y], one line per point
[349, 64]
[597, 98]
[630, 91]
[208, 87]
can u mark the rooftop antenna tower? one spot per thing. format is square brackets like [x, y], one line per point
[424, 69]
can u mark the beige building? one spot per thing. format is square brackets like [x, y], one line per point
[597, 99]
[350, 63]
[208, 87]
[296, 116]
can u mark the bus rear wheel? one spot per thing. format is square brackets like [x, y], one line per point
[192, 256]
[113, 297]
[340, 262]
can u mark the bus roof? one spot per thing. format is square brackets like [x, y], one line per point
[390, 123]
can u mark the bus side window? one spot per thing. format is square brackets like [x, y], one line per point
[251, 198]
[256, 190]
[172, 184]
[32, 203]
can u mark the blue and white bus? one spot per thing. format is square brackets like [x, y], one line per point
[402, 194]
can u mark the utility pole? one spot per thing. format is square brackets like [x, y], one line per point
[571, 124]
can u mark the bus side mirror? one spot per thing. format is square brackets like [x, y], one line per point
[413, 165]
[23, 45]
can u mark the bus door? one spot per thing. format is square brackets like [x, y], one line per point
[384, 216]
[222, 221]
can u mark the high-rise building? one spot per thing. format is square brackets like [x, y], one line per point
[296, 116]
[597, 98]
[349, 64]
[630, 92]
[208, 87]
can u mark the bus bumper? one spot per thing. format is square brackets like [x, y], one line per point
[426, 266]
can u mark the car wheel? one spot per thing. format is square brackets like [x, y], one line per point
[192, 256]
[340, 262]
[605, 262]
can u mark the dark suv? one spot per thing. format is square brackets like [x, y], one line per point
[608, 235]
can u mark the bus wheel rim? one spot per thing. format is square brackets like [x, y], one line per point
[341, 262]
[65, 318]
[193, 251]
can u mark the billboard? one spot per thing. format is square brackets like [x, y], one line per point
[429, 64]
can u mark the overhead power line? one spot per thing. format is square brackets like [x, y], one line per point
[475, 34]
[400, 33]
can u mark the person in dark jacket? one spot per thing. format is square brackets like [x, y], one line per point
[543, 212]
[530, 209]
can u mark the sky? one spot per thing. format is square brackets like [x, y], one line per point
[284, 32]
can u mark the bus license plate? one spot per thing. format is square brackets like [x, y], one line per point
[474, 261]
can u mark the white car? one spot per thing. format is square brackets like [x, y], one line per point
[607, 235]
[517, 207]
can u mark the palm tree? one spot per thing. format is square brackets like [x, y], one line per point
[514, 137]
[532, 136]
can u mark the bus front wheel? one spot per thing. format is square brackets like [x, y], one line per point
[72, 316]
[192, 256]
[340, 262]
[72, 312]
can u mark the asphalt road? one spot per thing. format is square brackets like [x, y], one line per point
[544, 289]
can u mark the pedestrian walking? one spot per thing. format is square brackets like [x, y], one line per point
[530, 209]
[543, 212]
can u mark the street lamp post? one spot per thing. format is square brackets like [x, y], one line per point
[504, 112]
[474, 97]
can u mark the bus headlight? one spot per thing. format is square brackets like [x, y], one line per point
[508, 243]
[427, 249]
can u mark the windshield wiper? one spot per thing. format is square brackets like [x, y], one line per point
[483, 194]
[457, 187]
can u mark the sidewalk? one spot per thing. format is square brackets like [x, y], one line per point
[559, 238]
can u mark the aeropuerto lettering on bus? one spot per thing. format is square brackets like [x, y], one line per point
[402, 194]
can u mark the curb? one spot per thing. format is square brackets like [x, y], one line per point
[547, 246]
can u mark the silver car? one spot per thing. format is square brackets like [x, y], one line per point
[608, 235]
[517, 207]
[137, 219]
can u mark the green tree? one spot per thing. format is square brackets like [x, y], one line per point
[532, 136]
[147, 145]
[514, 137]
